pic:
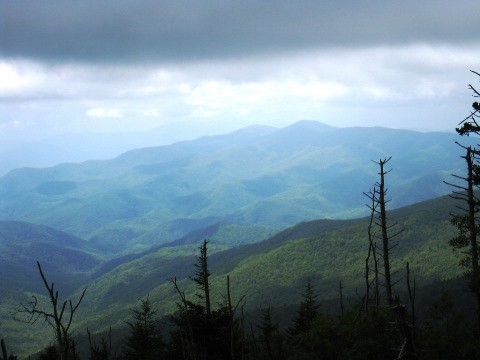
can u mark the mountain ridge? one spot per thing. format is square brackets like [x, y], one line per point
[273, 177]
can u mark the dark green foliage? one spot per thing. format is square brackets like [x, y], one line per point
[446, 334]
[462, 243]
[199, 335]
[307, 311]
[144, 341]
[50, 353]
[201, 277]
[351, 337]
[201, 332]
[467, 224]
[270, 339]
[102, 351]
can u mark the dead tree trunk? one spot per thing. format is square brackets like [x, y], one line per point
[372, 253]
[59, 318]
[378, 197]
[378, 209]
[407, 347]
[385, 238]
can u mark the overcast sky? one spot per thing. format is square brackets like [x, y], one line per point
[130, 65]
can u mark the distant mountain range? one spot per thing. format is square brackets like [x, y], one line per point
[78, 147]
[260, 176]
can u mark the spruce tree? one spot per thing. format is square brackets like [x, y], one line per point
[269, 336]
[306, 312]
[144, 341]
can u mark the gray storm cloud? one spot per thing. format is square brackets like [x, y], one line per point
[177, 31]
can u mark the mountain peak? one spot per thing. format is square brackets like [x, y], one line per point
[310, 125]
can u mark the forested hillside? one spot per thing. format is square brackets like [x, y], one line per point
[272, 272]
[131, 230]
[256, 176]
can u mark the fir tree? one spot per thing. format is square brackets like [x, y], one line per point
[306, 312]
[144, 341]
[269, 336]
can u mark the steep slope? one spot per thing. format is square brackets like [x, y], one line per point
[275, 270]
[263, 176]
[69, 258]
[67, 261]
[70, 263]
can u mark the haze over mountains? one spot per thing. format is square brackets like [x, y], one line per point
[124, 226]
[255, 176]
[77, 147]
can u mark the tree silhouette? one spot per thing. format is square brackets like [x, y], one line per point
[466, 222]
[144, 341]
[201, 277]
[102, 351]
[306, 312]
[58, 317]
[202, 332]
[268, 335]
[379, 217]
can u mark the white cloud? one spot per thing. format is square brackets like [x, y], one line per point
[211, 98]
[341, 86]
[19, 77]
[99, 112]
[151, 113]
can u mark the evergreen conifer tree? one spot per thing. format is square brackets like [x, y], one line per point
[269, 336]
[144, 341]
[306, 312]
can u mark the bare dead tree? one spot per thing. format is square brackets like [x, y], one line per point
[379, 218]
[378, 198]
[232, 310]
[406, 350]
[383, 226]
[184, 323]
[372, 253]
[58, 317]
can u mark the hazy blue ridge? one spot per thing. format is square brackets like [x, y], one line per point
[257, 176]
